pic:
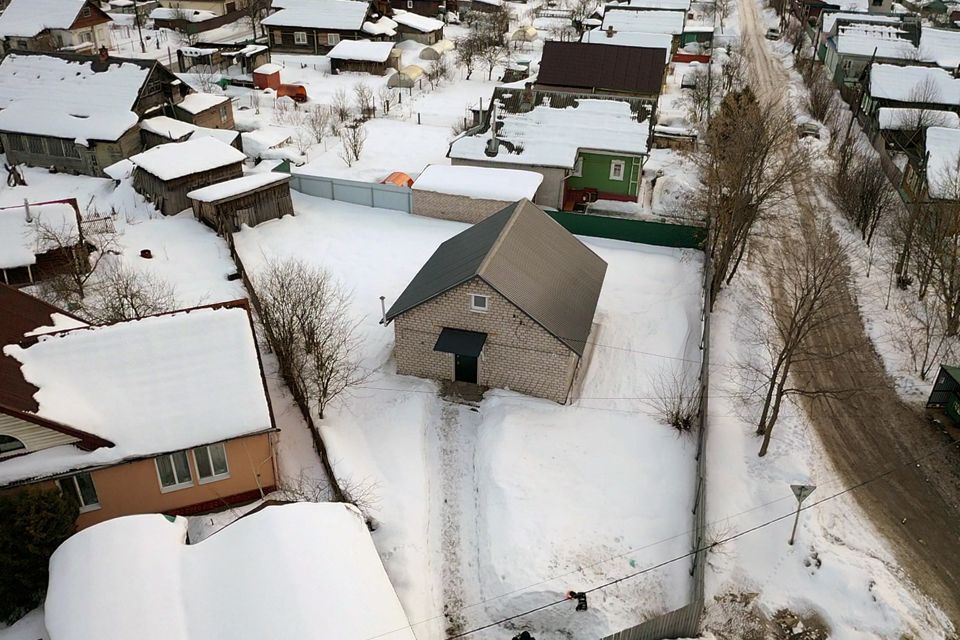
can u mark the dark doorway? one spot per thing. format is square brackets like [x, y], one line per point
[465, 368]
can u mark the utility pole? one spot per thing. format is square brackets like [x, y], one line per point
[802, 492]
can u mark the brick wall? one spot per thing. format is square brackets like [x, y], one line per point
[459, 208]
[519, 354]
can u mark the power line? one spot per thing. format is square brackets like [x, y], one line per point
[689, 554]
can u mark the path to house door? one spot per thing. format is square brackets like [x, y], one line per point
[917, 508]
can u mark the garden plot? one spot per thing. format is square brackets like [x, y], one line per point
[547, 498]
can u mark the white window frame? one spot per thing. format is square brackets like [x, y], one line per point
[216, 476]
[72, 483]
[333, 39]
[577, 171]
[180, 485]
[409, 4]
[85, 12]
[614, 165]
[299, 37]
[473, 302]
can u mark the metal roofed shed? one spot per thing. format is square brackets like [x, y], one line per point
[946, 392]
[602, 68]
[248, 200]
[520, 279]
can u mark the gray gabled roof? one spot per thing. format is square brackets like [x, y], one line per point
[530, 260]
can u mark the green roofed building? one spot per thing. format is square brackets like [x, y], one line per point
[946, 392]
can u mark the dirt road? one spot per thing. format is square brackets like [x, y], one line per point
[917, 508]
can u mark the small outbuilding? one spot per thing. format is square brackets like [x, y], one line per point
[38, 241]
[470, 194]
[436, 50]
[206, 110]
[509, 302]
[406, 78]
[946, 392]
[166, 173]
[267, 76]
[422, 29]
[363, 56]
[248, 200]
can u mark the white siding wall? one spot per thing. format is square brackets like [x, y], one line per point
[33, 436]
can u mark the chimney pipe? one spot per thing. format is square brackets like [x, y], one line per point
[610, 31]
[26, 208]
[383, 311]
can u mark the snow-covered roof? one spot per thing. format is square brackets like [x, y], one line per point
[671, 5]
[168, 127]
[382, 27]
[943, 167]
[78, 101]
[195, 103]
[485, 183]
[163, 383]
[21, 241]
[631, 39]
[364, 50]
[237, 186]
[178, 159]
[894, 119]
[553, 137]
[320, 14]
[307, 570]
[260, 140]
[191, 15]
[941, 47]
[858, 41]
[645, 21]
[914, 84]
[268, 68]
[49, 118]
[416, 21]
[226, 136]
[830, 19]
[30, 17]
[197, 52]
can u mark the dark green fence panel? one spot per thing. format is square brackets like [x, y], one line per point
[657, 233]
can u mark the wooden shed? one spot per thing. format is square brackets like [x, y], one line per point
[267, 76]
[248, 200]
[364, 56]
[165, 174]
[946, 392]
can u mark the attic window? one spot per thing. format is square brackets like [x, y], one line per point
[479, 303]
[85, 12]
[9, 444]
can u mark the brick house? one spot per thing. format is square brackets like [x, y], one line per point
[84, 408]
[166, 173]
[470, 194]
[508, 302]
[80, 26]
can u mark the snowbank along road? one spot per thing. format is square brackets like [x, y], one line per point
[917, 507]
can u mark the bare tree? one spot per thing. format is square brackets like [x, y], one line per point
[705, 94]
[746, 169]
[305, 488]
[306, 316]
[284, 110]
[317, 119]
[807, 277]
[253, 12]
[123, 293]
[352, 138]
[580, 10]
[70, 287]
[676, 396]
[303, 132]
[937, 245]
[340, 108]
[723, 9]
[438, 71]
[820, 93]
[733, 71]
[386, 95]
[468, 49]
[922, 334]
[864, 194]
[914, 121]
[495, 53]
[365, 101]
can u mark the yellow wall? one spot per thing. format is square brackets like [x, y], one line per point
[134, 487]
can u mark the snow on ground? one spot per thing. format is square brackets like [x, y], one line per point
[29, 627]
[541, 490]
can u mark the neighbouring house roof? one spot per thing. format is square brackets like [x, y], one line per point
[943, 165]
[172, 129]
[528, 258]
[637, 70]
[830, 19]
[550, 137]
[416, 21]
[28, 18]
[341, 15]
[508, 185]
[304, 570]
[361, 50]
[631, 39]
[669, 5]
[940, 46]
[237, 186]
[910, 84]
[199, 102]
[894, 119]
[882, 41]
[163, 383]
[645, 21]
[178, 159]
[63, 98]
[22, 240]
[382, 27]
[191, 15]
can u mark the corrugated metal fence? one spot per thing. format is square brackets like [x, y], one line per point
[368, 194]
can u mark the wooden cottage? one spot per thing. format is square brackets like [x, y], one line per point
[248, 200]
[167, 173]
[225, 58]
[39, 240]
[51, 25]
[364, 56]
[206, 110]
[320, 25]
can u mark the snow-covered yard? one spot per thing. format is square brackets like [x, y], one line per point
[508, 505]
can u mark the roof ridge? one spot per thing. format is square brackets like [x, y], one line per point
[500, 236]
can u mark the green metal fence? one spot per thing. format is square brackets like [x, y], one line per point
[656, 233]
